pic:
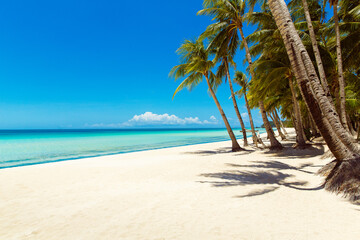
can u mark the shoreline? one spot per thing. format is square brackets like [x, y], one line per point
[110, 154]
[201, 191]
[240, 140]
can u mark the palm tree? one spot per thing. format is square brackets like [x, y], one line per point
[344, 173]
[276, 76]
[316, 49]
[341, 79]
[241, 79]
[195, 65]
[231, 12]
[224, 42]
[279, 120]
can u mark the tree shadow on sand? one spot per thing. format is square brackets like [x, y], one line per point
[313, 150]
[273, 176]
[218, 151]
[274, 165]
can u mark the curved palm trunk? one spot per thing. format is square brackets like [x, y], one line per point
[254, 137]
[274, 143]
[339, 140]
[235, 105]
[340, 71]
[342, 175]
[281, 123]
[314, 129]
[277, 125]
[350, 125]
[300, 139]
[235, 145]
[316, 51]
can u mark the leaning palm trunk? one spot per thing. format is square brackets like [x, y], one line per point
[235, 145]
[254, 136]
[350, 125]
[313, 127]
[316, 51]
[300, 139]
[236, 106]
[274, 143]
[343, 176]
[277, 125]
[281, 123]
[340, 70]
[323, 111]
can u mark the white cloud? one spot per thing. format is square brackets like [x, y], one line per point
[151, 119]
[245, 116]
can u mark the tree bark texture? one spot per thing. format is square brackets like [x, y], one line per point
[235, 105]
[235, 145]
[300, 139]
[340, 142]
[340, 70]
[274, 143]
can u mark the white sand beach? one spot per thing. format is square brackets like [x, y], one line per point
[192, 192]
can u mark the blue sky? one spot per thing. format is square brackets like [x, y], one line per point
[86, 64]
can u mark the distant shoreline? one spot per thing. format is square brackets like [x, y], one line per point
[31, 147]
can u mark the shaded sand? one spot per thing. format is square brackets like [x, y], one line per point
[193, 192]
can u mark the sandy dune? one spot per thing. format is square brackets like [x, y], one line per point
[193, 192]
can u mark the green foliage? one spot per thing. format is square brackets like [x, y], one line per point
[271, 69]
[195, 65]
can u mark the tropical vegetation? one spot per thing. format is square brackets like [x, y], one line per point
[303, 67]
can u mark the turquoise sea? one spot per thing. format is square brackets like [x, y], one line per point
[28, 147]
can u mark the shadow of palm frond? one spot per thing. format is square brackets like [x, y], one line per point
[311, 151]
[275, 165]
[241, 178]
[258, 192]
[218, 151]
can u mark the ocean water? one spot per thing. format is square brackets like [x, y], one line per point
[28, 147]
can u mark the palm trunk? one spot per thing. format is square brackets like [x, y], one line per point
[300, 139]
[254, 136]
[313, 127]
[277, 125]
[337, 99]
[274, 143]
[235, 145]
[316, 51]
[350, 125]
[342, 175]
[281, 123]
[235, 105]
[340, 70]
[340, 142]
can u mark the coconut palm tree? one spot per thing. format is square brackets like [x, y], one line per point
[315, 47]
[231, 12]
[334, 4]
[344, 173]
[241, 79]
[195, 65]
[224, 42]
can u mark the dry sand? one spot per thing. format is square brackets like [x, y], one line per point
[192, 192]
